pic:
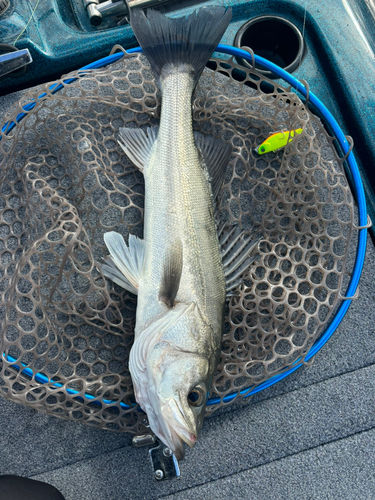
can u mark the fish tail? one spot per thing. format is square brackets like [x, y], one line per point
[187, 41]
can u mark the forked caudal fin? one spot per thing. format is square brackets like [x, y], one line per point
[185, 41]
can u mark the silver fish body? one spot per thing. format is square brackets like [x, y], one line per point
[179, 206]
[177, 270]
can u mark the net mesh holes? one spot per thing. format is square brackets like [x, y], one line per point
[65, 182]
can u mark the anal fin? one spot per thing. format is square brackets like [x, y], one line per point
[137, 144]
[216, 154]
[125, 264]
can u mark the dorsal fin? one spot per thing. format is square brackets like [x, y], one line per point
[125, 264]
[216, 154]
[172, 274]
[137, 144]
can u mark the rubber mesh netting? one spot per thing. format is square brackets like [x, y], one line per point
[65, 181]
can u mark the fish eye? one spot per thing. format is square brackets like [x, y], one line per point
[196, 396]
[262, 149]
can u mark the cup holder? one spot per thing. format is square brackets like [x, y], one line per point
[273, 38]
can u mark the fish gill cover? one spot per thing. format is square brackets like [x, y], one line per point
[65, 182]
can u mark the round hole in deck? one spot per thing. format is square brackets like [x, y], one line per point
[273, 38]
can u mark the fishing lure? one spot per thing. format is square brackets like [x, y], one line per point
[277, 141]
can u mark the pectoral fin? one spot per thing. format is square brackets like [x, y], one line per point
[238, 253]
[137, 144]
[125, 264]
[216, 154]
[172, 274]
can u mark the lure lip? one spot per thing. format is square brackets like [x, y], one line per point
[256, 150]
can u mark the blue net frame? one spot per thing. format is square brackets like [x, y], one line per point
[358, 192]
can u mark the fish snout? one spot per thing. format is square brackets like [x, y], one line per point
[179, 436]
[179, 429]
[178, 448]
[189, 437]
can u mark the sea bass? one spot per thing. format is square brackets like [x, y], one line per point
[179, 271]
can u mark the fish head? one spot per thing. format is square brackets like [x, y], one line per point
[182, 400]
[174, 383]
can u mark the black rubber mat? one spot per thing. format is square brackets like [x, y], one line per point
[22, 488]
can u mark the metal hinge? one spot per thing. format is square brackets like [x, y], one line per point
[98, 10]
[164, 463]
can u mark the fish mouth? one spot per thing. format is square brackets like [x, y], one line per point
[188, 437]
[177, 430]
[179, 436]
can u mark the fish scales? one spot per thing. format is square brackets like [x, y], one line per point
[178, 204]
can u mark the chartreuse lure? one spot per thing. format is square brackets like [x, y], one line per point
[277, 141]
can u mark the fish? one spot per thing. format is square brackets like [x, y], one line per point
[187, 263]
[277, 141]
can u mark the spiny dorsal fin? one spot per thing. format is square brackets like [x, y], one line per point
[125, 264]
[216, 154]
[137, 144]
[172, 274]
[238, 252]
